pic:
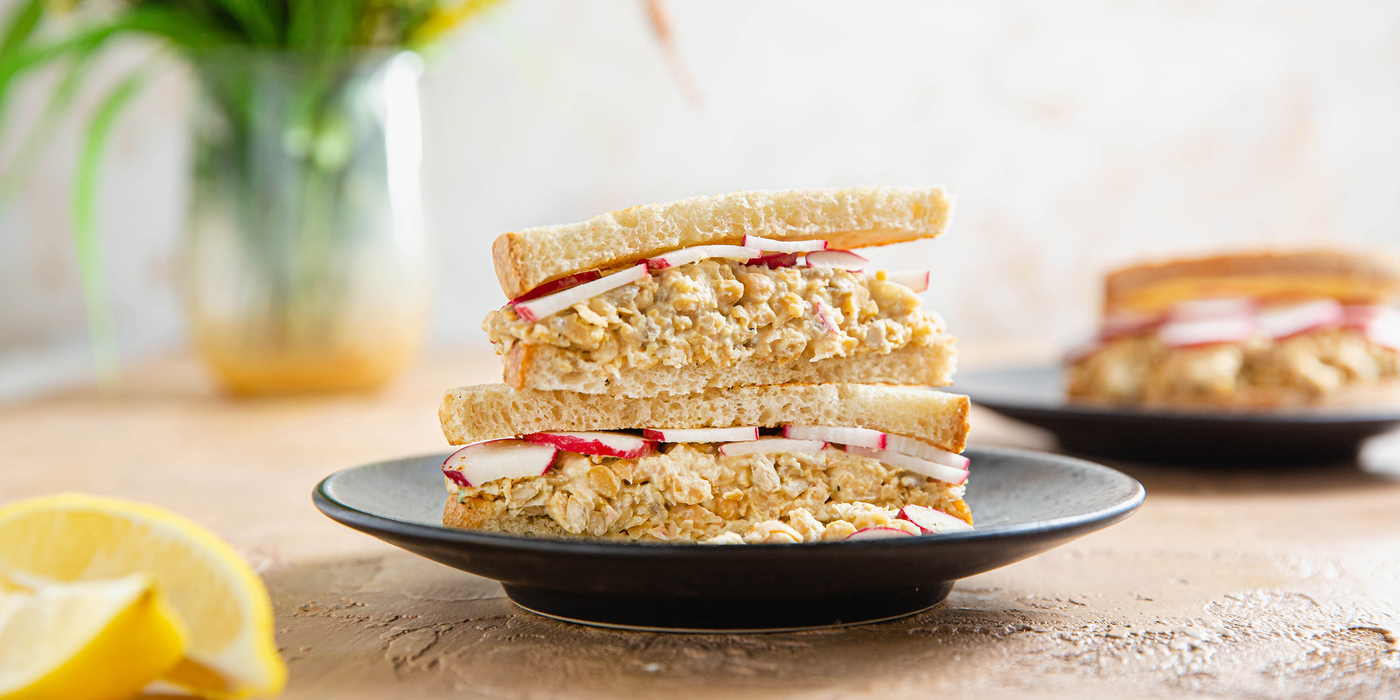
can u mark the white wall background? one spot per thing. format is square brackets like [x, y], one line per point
[1076, 134]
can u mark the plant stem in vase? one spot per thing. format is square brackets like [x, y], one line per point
[305, 264]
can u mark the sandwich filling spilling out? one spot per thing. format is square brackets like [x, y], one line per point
[725, 486]
[720, 311]
[1240, 351]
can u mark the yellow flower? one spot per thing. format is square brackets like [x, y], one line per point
[443, 18]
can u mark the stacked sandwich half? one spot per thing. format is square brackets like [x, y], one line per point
[717, 369]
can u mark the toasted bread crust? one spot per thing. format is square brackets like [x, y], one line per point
[487, 411]
[1370, 277]
[547, 368]
[848, 218]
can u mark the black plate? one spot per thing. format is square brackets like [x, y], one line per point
[1024, 503]
[1036, 395]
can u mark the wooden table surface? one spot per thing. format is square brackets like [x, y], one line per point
[1263, 583]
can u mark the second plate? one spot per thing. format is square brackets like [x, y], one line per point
[1035, 395]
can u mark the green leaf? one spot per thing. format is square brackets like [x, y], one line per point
[21, 25]
[258, 23]
[323, 25]
[99, 307]
[183, 28]
[28, 58]
[41, 135]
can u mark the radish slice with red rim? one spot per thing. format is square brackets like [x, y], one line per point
[775, 260]
[825, 316]
[839, 259]
[1286, 322]
[771, 445]
[769, 244]
[484, 462]
[1359, 316]
[558, 285]
[685, 256]
[1185, 334]
[743, 434]
[861, 437]
[918, 448]
[933, 521]
[546, 306]
[933, 470]
[602, 443]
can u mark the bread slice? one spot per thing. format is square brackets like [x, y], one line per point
[549, 368]
[848, 218]
[487, 411]
[1352, 277]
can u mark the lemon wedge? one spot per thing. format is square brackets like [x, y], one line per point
[96, 640]
[219, 601]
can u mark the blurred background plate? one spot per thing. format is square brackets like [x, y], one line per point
[1024, 502]
[1035, 395]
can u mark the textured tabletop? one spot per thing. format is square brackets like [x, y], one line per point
[1261, 583]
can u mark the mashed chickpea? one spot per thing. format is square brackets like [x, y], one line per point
[724, 312]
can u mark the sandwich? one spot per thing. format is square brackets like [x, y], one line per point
[719, 370]
[1246, 330]
[748, 288]
[752, 464]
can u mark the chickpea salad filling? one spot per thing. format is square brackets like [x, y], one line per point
[1218, 349]
[685, 310]
[713, 486]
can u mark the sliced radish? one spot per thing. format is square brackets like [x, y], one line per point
[777, 260]
[823, 313]
[1358, 316]
[933, 470]
[769, 244]
[915, 280]
[918, 448]
[596, 443]
[702, 434]
[1203, 309]
[878, 533]
[684, 256]
[1185, 334]
[542, 307]
[485, 462]
[1286, 322]
[558, 285]
[861, 437]
[1120, 325]
[932, 520]
[771, 445]
[1384, 329]
[839, 259]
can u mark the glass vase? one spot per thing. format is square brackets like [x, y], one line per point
[305, 265]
